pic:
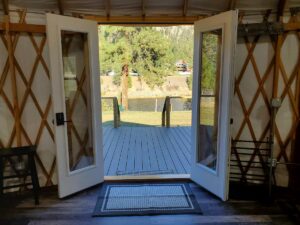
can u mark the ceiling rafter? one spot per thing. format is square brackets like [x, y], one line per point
[5, 6]
[232, 4]
[185, 7]
[60, 7]
[143, 8]
[280, 8]
[125, 20]
[107, 8]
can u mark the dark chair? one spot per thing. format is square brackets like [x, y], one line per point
[8, 154]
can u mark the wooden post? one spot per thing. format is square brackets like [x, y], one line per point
[12, 71]
[274, 111]
[294, 181]
[168, 111]
[124, 78]
[163, 116]
[165, 120]
[277, 65]
[116, 113]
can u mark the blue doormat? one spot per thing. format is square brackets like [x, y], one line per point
[146, 199]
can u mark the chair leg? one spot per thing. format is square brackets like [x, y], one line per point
[34, 178]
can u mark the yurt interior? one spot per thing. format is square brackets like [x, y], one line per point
[233, 157]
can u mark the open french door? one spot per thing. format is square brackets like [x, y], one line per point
[74, 66]
[214, 47]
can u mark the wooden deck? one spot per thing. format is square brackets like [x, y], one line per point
[146, 150]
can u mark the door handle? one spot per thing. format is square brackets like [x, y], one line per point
[60, 119]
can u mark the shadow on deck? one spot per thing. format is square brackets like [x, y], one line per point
[146, 150]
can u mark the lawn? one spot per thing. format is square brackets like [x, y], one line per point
[138, 118]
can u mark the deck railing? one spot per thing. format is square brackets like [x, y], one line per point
[116, 110]
[166, 112]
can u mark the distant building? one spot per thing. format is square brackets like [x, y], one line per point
[181, 66]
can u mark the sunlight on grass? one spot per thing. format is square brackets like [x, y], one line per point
[138, 118]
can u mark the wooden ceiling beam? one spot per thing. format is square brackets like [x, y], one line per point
[185, 7]
[107, 8]
[280, 8]
[28, 28]
[31, 28]
[60, 7]
[293, 26]
[125, 20]
[5, 6]
[143, 8]
[232, 4]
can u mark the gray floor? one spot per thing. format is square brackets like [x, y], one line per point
[146, 150]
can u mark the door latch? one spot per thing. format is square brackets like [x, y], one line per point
[60, 119]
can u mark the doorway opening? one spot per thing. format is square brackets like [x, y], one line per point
[146, 87]
[143, 147]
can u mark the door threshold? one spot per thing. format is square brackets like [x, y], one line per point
[161, 177]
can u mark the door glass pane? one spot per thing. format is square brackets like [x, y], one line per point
[211, 48]
[78, 108]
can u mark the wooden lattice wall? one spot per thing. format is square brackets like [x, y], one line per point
[25, 97]
[266, 67]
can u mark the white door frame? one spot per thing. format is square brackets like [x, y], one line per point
[216, 181]
[70, 182]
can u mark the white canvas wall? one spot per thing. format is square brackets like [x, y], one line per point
[259, 117]
[31, 119]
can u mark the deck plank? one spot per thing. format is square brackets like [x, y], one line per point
[107, 137]
[160, 158]
[182, 144]
[112, 151]
[134, 150]
[138, 158]
[118, 152]
[183, 138]
[151, 151]
[185, 132]
[169, 148]
[109, 143]
[162, 149]
[145, 151]
[175, 152]
[124, 152]
[130, 156]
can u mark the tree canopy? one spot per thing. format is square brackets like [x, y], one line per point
[209, 61]
[143, 49]
[153, 52]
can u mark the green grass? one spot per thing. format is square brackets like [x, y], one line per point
[178, 118]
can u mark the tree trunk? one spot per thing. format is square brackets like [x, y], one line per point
[124, 79]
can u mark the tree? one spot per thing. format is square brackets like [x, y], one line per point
[140, 48]
[116, 54]
[181, 39]
[209, 61]
[152, 56]
[152, 52]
